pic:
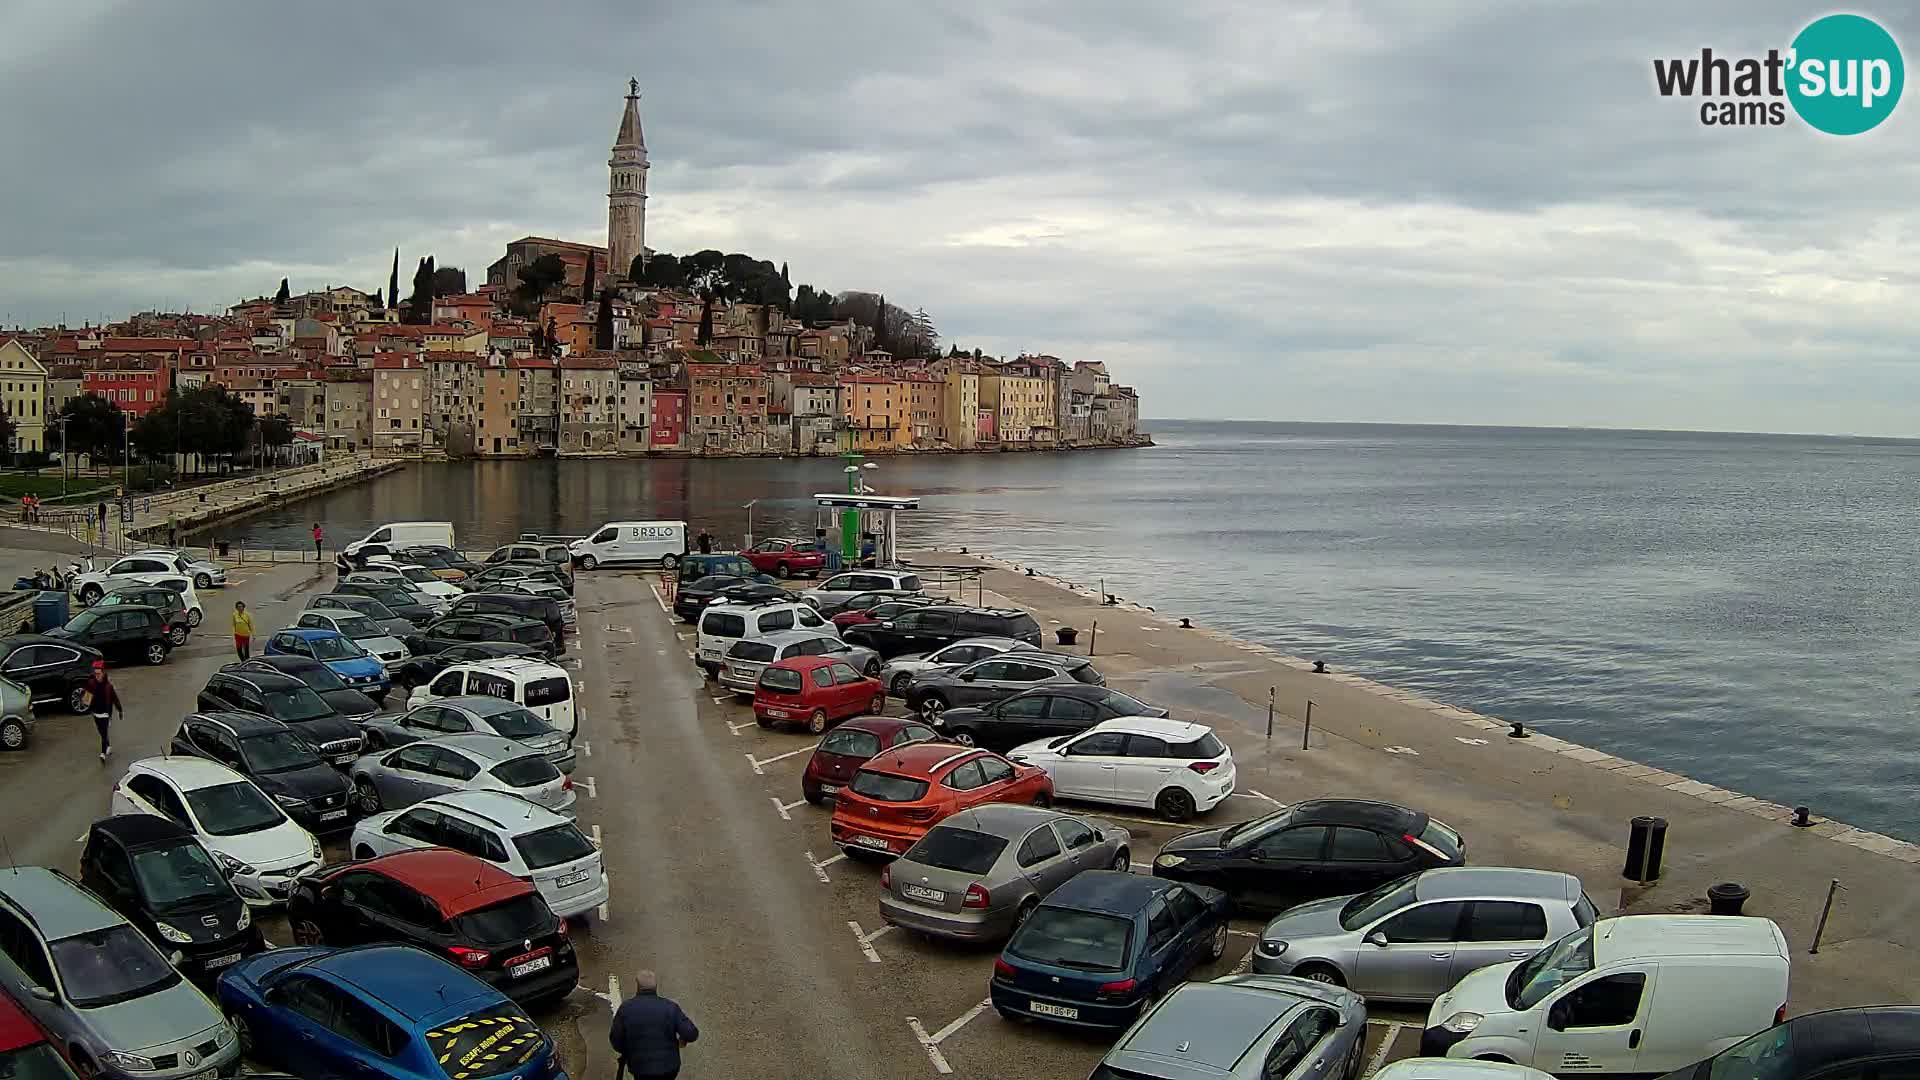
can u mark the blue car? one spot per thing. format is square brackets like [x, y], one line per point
[357, 667]
[381, 1011]
[1102, 946]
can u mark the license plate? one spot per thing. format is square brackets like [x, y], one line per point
[829, 789]
[781, 713]
[205, 1074]
[333, 815]
[574, 878]
[222, 961]
[341, 759]
[921, 892]
[538, 963]
[1064, 1012]
[872, 842]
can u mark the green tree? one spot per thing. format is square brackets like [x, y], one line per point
[281, 296]
[662, 271]
[275, 434]
[603, 323]
[553, 337]
[587, 282]
[93, 426]
[419, 306]
[539, 278]
[449, 281]
[7, 431]
[393, 281]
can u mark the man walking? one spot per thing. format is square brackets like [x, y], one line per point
[242, 630]
[649, 1032]
[103, 700]
[318, 539]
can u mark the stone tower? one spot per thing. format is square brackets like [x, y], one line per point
[627, 190]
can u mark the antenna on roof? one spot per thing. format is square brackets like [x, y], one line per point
[8, 847]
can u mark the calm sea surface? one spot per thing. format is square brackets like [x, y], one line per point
[1739, 608]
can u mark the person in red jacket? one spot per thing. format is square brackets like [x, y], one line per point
[103, 701]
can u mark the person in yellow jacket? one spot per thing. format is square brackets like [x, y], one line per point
[242, 630]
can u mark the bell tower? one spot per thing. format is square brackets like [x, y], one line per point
[627, 190]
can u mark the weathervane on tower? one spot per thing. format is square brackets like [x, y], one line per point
[633, 88]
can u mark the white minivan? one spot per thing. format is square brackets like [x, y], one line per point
[1635, 994]
[406, 534]
[542, 688]
[632, 542]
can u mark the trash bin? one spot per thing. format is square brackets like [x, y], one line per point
[1727, 898]
[49, 611]
[1646, 843]
[221, 547]
[1065, 635]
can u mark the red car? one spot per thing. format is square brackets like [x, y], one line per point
[815, 691]
[25, 1050]
[850, 745]
[900, 794]
[785, 558]
[881, 611]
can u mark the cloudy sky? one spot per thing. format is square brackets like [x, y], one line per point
[1380, 210]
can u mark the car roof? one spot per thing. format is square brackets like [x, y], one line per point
[514, 665]
[58, 907]
[411, 982]
[139, 830]
[1630, 937]
[754, 605]
[1009, 820]
[309, 633]
[972, 609]
[1460, 882]
[1004, 644]
[873, 725]
[1074, 690]
[782, 637]
[512, 813]
[1173, 731]
[1108, 892]
[479, 704]
[482, 745]
[497, 618]
[455, 881]
[1842, 1034]
[242, 723]
[804, 663]
[1210, 1024]
[262, 680]
[923, 760]
[189, 773]
[17, 1029]
[1436, 1068]
[281, 663]
[1367, 812]
[1063, 661]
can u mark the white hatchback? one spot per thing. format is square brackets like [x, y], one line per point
[1175, 767]
[528, 841]
[251, 837]
[723, 623]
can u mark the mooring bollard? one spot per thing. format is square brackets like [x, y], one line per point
[1518, 731]
[1802, 818]
[1646, 844]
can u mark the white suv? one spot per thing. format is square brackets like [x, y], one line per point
[1177, 768]
[721, 624]
[858, 581]
[526, 840]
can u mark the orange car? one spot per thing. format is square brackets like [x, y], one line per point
[901, 793]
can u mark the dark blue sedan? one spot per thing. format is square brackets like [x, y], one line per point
[1103, 945]
[380, 1011]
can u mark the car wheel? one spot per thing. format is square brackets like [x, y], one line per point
[242, 1033]
[817, 722]
[91, 595]
[1320, 973]
[203, 580]
[367, 795]
[961, 736]
[900, 682]
[1024, 912]
[156, 652]
[194, 617]
[763, 721]
[1218, 948]
[1043, 799]
[588, 562]
[77, 700]
[178, 635]
[667, 562]
[879, 705]
[1174, 804]
[931, 707]
[13, 734]
[872, 670]
[363, 852]
[1500, 1058]
[813, 797]
[782, 570]
[82, 1064]
[1123, 861]
[306, 932]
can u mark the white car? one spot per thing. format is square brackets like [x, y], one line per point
[205, 574]
[251, 837]
[527, 841]
[841, 586]
[143, 569]
[899, 672]
[1175, 767]
[414, 579]
[723, 623]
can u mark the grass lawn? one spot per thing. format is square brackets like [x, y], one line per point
[46, 484]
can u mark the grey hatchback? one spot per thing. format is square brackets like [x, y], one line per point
[109, 999]
[1244, 1027]
[977, 875]
[469, 713]
[984, 682]
[395, 779]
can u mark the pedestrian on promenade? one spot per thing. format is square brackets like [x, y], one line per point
[103, 516]
[705, 541]
[173, 529]
[103, 701]
[649, 1032]
[242, 630]
[318, 539]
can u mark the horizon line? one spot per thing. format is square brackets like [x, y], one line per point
[1524, 427]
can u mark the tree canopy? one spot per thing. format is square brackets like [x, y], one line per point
[537, 279]
[207, 421]
[93, 426]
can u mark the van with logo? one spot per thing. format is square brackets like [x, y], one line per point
[632, 543]
[395, 535]
[543, 688]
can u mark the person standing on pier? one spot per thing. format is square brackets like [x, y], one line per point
[103, 701]
[318, 539]
[705, 540]
[242, 630]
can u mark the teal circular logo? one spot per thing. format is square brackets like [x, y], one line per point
[1845, 74]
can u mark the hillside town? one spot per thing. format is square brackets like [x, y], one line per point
[571, 349]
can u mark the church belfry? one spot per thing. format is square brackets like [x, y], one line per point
[627, 190]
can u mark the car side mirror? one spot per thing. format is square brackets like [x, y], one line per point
[1558, 1015]
[967, 676]
[888, 625]
[1378, 937]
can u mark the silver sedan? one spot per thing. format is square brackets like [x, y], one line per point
[395, 779]
[472, 713]
[978, 874]
[902, 670]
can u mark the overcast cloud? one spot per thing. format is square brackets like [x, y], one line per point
[1398, 211]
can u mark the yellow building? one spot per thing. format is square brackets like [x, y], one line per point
[1020, 404]
[23, 395]
[498, 434]
[877, 411]
[956, 421]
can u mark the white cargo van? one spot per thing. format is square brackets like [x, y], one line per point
[542, 688]
[1636, 994]
[405, 534]
[632, 542]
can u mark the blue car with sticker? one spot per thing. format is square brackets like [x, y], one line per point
[357, 667]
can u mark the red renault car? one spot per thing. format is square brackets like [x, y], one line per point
[900, 794]
[815, 691]
[785, 558]
[852, 745]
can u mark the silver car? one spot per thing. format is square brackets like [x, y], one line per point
[979, 873]
[748, 657]
[1412, 938]
[16, 715]
[393, 779]
[104, 993]
[382, 616]
[205, 574]
[900, 671]
[471, 713]
[1245, 1027]
[364, 632]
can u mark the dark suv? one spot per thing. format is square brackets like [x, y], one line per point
[938, 626]
[544, 608]
[278, 761]
[288, 700]
[464, 629]
[171, 606]
[122, 632]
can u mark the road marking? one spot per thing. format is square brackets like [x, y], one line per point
[690, 655]
[1140, 866]
[866, 940]
[1401, 750]
[734, 728]
[612, 996]
[1469, 742]
[593, 790]
[683, 635]
[758, 762]
[931, 1043]
[586, 748]
[658, 599]
[722, 700]
[1244, 965]
[1379, 1057]
[820, 868]
[602, 911]
[784, 807]
[1242, 933]
[81, 839]
[596, 837]
[1264, 795]
[612, 629]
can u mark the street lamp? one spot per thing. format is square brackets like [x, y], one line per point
[749, 509]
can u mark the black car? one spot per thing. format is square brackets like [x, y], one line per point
[448, 903]
[939, 625]
[698, 593]
[517, 571]
[1310, 851]
[278, 760]
[1041, 713]
[288, 700]
[437, 557]
[420, 670]
[171, 605]
[1876, 1040]
[451, 630]
[543, 608]
[152, 870]
[864, 601]
[319, 678]
[398, 600]
[52, 669]
[130, 632]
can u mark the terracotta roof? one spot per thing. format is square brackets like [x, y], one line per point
[538, 363]
[874, 379]
[146, 344]
[589, 363]
[394, 363]
[565, 244]
[725, 371]
[443, 357]
[813, 378]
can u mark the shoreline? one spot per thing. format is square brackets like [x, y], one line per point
[1143, 441]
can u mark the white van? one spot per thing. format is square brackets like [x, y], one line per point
[543, 688]
[1636, 994]
[721, 624]
[632, 542]
[406, 534]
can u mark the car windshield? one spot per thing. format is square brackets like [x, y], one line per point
[547, 691]
[278, 751]
[317, 677]
[525, 916]
[419, 573]
[1258, 827]
[429, 559]
[1766, 1056]
[83, 622]
[1378, 901]
[781, 680]
[886, 787]
[553, 845]
[179, 876]
[1075, 939]
[233, 809]
[389, 595]
[469, 1047]
[963, 851]
[36, 1062]
[295, 703]
[751, 651]
[1549, 969]
[1124, 704]
[335, 648]
[525, 772]
[518, 724]
[358, 626]
[116, 963]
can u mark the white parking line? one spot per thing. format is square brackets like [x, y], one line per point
[866, 940]
[612, 996]
[612, 629]
[1379, 1057]
[658, 599]
[586, 748]
[1252, 794]
[682, 635]
[593, 790]
[758, 762]
[1243, 965]
[602, 912]
[782, 808]
[722, 700]
[595, 835]
[734, 729]
[820, 868]
[931, 1043]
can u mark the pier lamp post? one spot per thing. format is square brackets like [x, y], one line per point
[749, 509]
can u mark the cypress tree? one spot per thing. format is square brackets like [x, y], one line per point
[393, 281]
[603, 324]
[784, 279]
[281, 296]
[586, 287]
